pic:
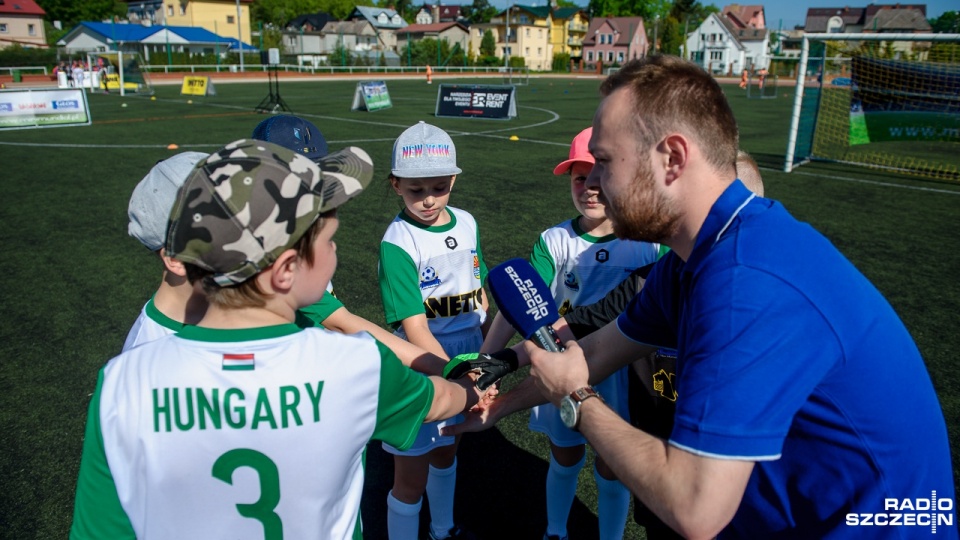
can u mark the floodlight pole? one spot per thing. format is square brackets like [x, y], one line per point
[239, 36]
[506, 39]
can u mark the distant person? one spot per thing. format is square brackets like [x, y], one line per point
[248, 425]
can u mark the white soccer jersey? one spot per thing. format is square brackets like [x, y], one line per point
[150, 325]
[249, 433]
[581, 268]
[438, 271]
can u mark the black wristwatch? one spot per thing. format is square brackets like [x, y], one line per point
[570, 406]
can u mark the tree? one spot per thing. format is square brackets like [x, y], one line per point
[948, 23]
[488, 45]
[71, 12]
[480, 11]
[671, 36]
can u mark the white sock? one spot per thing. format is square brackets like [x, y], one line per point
[613, 504]
[403, 520]
[561, 489]
[441, 484]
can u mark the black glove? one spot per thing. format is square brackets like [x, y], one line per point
[491, 367]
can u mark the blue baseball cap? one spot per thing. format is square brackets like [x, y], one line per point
[294, 133]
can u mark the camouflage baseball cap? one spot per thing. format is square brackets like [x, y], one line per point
[248, 202]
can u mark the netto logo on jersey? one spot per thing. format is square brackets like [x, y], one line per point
[451, 306]
[536, 306]
[932, 512]
[451, 242]
[603, 256]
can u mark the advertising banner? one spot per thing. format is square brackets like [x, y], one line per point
[894, 100]
[499, 102]
[21, 109]
[371, 96]
[197, 86]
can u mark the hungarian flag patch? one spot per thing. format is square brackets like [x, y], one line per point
[238, 362]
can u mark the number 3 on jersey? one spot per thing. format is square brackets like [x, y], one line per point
[263, 509]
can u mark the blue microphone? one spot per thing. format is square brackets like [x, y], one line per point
[525, 302]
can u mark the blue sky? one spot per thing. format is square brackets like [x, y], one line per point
[791, 13]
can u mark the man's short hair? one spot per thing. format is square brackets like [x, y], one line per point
[672, 94]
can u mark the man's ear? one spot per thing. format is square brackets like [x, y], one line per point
[675, 150]
[172, 265]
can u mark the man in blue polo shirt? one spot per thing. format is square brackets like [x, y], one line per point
[804, 409]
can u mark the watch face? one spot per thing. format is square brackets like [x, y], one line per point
[568, 412]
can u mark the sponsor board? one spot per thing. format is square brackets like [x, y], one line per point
[473, 101]
[33, 108]
[371, 96]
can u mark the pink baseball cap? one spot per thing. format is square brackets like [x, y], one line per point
[578, 152]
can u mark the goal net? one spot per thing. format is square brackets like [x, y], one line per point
[888, 101]
[120, 73]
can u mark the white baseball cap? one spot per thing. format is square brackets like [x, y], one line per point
[153, 198]
[424, 151]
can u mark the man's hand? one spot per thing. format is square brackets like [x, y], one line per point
[490, 368]
[557, 374]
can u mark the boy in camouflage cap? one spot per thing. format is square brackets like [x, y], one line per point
[248, 425]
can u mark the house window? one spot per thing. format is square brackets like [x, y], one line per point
[3, 28]
[183, 9]
[528, 32]
[589, 56]
[382, 18]
[716, 55]
[539, 51]
[609, 56]
[230, 19]
[524, 19]
[540, 33]
[170, 10]
[620, 57]
[526, 51]
[32, 29]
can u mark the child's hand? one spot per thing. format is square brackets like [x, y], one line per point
[489, 368]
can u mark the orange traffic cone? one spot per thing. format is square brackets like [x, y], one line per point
[429, 75]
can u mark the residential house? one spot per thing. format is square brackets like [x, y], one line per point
[724, 49]
[880, 19]
[451, 32]
[313, 22]
[615, 40]
[303, 37]
[434, 13]
[21, 23]
[568, 28]
[217, 16]
[520, 31]
[384, 22]
[743, 17]
[314, 46]
[150, 41]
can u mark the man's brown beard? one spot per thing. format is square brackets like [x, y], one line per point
[643, 214]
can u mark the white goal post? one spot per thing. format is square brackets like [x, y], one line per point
[795, 157]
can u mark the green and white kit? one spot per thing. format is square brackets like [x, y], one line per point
[438, 271]
[247, 433]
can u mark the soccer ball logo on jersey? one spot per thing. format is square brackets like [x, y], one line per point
[476, 263]
[428, 278]
[570, 281]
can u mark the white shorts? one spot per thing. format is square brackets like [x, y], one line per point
[429, 437]
[546, 418]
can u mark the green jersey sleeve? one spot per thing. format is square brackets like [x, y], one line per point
[399, 284]
[97, 512]
[542, 261]
[404, 401]
[321, 310]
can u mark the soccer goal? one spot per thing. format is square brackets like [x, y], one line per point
[516, 76]
[119, 73]
[762, 86]
[888, 101]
